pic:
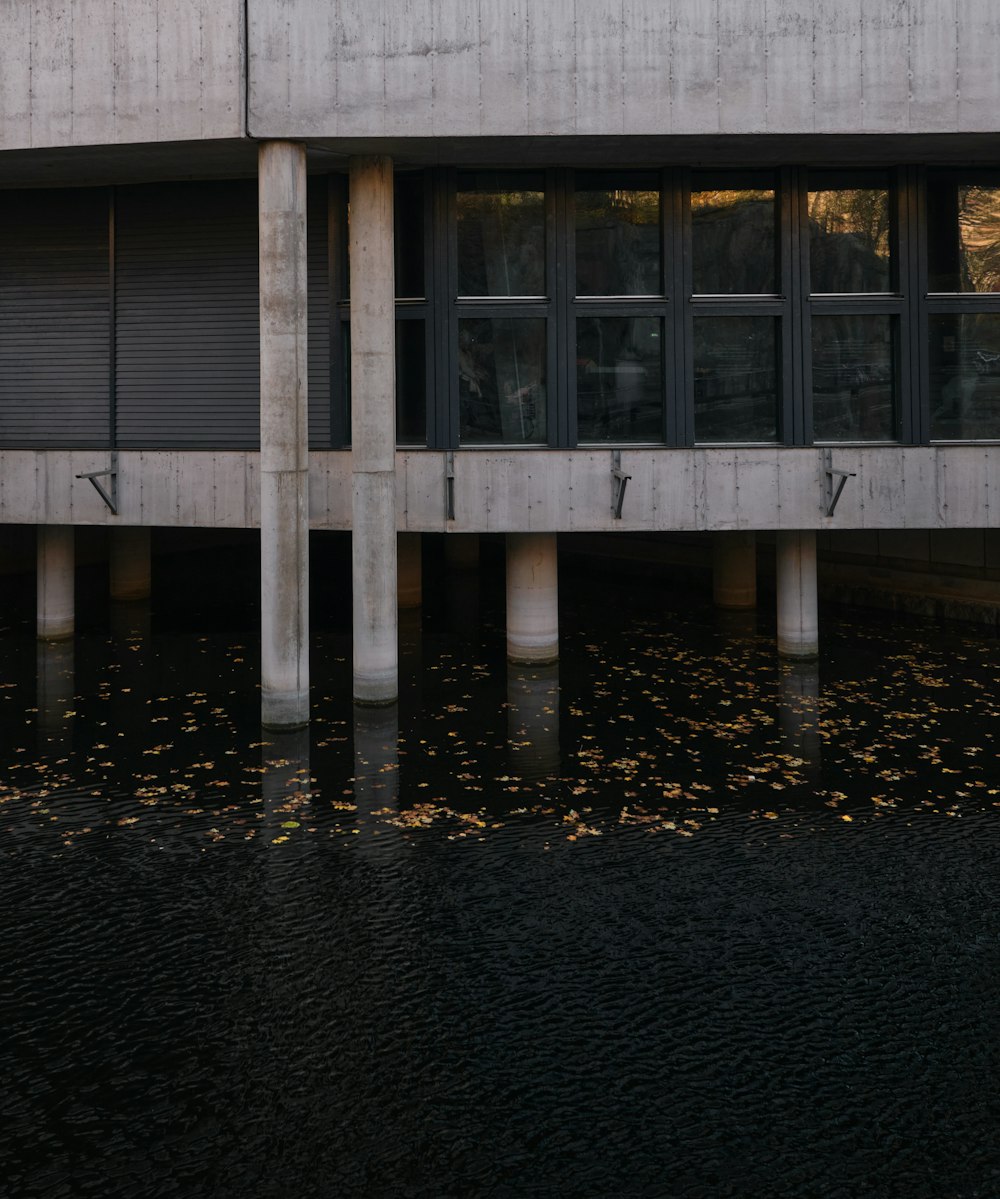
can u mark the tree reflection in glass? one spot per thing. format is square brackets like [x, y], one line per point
[735, 379]
[501, 234]
[617, 242]
[853, 378]
[619, 378]
[965, 376]
[733, 242]
[501, 380]
[849, 240]
[964, 237]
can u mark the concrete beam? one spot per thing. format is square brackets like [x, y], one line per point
[55, 582]
[532, 598]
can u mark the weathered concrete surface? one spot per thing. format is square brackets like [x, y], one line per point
[103, 72]
[130, 564]
[734, 570]
[284, 433]
[56, 575]
[373, 431]
[798, 611]
[431, 68]
[532, 597]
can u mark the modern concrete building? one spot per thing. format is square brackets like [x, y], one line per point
[516, 266]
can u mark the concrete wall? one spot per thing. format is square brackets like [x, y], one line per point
[954, 487]
[398, 68]
[104, 72]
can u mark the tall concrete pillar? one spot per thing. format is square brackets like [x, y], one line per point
[284, 444]
[55, 581]
[373, 431]
[130, 563]
[409, 575]
[798, 619]
[532, 598]
[734, 570]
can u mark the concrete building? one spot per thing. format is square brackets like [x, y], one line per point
[522, 268]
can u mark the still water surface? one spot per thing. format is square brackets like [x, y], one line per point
[671, 920]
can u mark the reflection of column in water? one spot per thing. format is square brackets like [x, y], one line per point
[284, 785]
[411, 655]
[798, 711]
[376, 758]
[130, 711]
[740, 623]
[533, 720]
[54, 695]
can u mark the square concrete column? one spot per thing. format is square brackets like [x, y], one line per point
[373, 431]
[129, 568]
[532, 598]
[284, 434]
[734, 569]
[798, 618]
[56, 573]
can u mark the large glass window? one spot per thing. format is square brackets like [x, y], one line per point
[501, 234]
[849, 238]
[965, 375]
[734, 245]
[617, 236]
[854, 377]
[963, 221]
[502, 380]
[735, 378]
[619, 378]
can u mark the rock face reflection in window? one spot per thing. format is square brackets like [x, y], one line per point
[735, 379]
[501, 234]
[853, 360]
[965, 376]
[617, 239]
[849, 240]
[964, 229]
[619, 378]
[501, 380]
[733, 242]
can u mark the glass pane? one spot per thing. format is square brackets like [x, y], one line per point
[501, 235]
[849, 240]
[501, 380]
[965, 376]
[964, 237]
[733, 242]
[735, 378]
[345, 377]
[408, 212]
[853, 378]
[411, 380]
[618, 242]
[619, 378]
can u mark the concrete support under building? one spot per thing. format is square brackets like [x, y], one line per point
[409, 574]
[734, 570]
[532, 597]
[798, 620]
[56, 575]
[284, 436]
[373, 431]
[129, 568]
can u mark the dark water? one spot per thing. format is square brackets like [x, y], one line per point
[673, 920]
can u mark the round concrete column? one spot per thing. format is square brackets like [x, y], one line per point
[284, 434]
[130, 564]
[798, 619]
[55, 579]
[409, 571]
[532, 598]
[734, 570]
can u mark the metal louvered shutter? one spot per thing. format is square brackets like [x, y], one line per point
[319, 313]
[55, 319]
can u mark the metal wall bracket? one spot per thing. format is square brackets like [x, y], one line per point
[111, 499]
[619, 480]
[449, 485]
[833, 482]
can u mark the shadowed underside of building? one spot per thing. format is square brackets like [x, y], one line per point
[557, 267]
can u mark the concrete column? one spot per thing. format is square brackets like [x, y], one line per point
[409, 576]
[55, 579]
[798, 620]
[284, 433]
[373, 431]
[532, 598]
[734, 570]
[130, 563]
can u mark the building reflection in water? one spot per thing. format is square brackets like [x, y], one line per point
[737, 622]
[376, 758]
[533, 720]
[799, 713]
[55, 685]
[285, 781]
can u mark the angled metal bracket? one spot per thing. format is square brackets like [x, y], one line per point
[619, 480]
[833, 482]
[449, 485]
[112, 473]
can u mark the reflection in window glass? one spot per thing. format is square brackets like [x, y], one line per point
[408, 214]
[619, 378]
[853, 378]
[501, 380]
[965, 376]
[733, 242]
[964, 230]
[618, 243]
[849, 240]
[735, 378]
[501, 234]
[411, 377]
